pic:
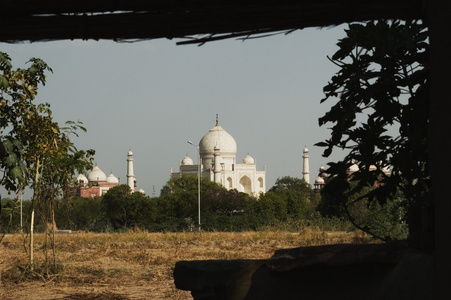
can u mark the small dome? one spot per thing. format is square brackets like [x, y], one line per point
[187, 161]
[305, 150]
[112, 179]
[82, 179]
[322, 168]
[142, 191]
[130, 153]
[319, 180]
[96, 175]
[248, 160]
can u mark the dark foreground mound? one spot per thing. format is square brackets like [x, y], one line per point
[345, 271]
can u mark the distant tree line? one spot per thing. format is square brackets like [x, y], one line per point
[290, 205]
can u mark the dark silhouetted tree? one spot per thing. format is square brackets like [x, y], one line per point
[380, 116]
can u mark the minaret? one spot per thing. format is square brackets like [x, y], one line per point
[306, 171]
[217, 164]
[130, 175]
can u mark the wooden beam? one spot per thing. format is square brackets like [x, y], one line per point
[28, 20]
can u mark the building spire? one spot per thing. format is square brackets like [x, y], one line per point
[217, 120]
[306, 168]
[130, 174]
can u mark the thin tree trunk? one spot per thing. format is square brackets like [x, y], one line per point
[33, 203]
[31, 236]
[53, 238]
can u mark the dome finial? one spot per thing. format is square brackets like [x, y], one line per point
[217, 120]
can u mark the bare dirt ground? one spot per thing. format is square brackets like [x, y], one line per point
[134, 265]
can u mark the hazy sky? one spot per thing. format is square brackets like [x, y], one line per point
[152, 96]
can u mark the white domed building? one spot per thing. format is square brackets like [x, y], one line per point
[96, 184]
[217, 150]
[321, 180]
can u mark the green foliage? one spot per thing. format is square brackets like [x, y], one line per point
[31, 139]
[13, 164]
[382, 85]
[288, 198]
[127, 209]
[37, 149]
[227, 210]
[188, 183]
[330, 223]
[222, 201]
[38, 152]
[333, 199]
[180, 199]
[288, 183]
[18, 88]
[271, 207]
[10, 215]
[222, 210]
[388, 220]
[81, 214]
[385, 221]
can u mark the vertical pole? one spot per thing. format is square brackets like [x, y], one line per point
[21, 211]
[198, 184]
[31, 236]
[198, 179]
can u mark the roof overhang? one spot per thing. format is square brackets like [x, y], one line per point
[207, 20]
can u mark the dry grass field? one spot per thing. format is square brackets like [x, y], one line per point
[136, 265]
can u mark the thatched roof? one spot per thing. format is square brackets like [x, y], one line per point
[128, 20]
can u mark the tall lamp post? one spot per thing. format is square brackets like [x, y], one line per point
[198, 180]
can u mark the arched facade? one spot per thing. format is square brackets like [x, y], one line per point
[245, 185]
[217, 150]
[230, 182]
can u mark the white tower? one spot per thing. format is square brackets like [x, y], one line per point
[306, 171]
[217, 164]
[130, 175]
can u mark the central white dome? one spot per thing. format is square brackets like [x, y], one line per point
[219, 138]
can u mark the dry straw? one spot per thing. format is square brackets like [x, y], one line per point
[138, 264]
